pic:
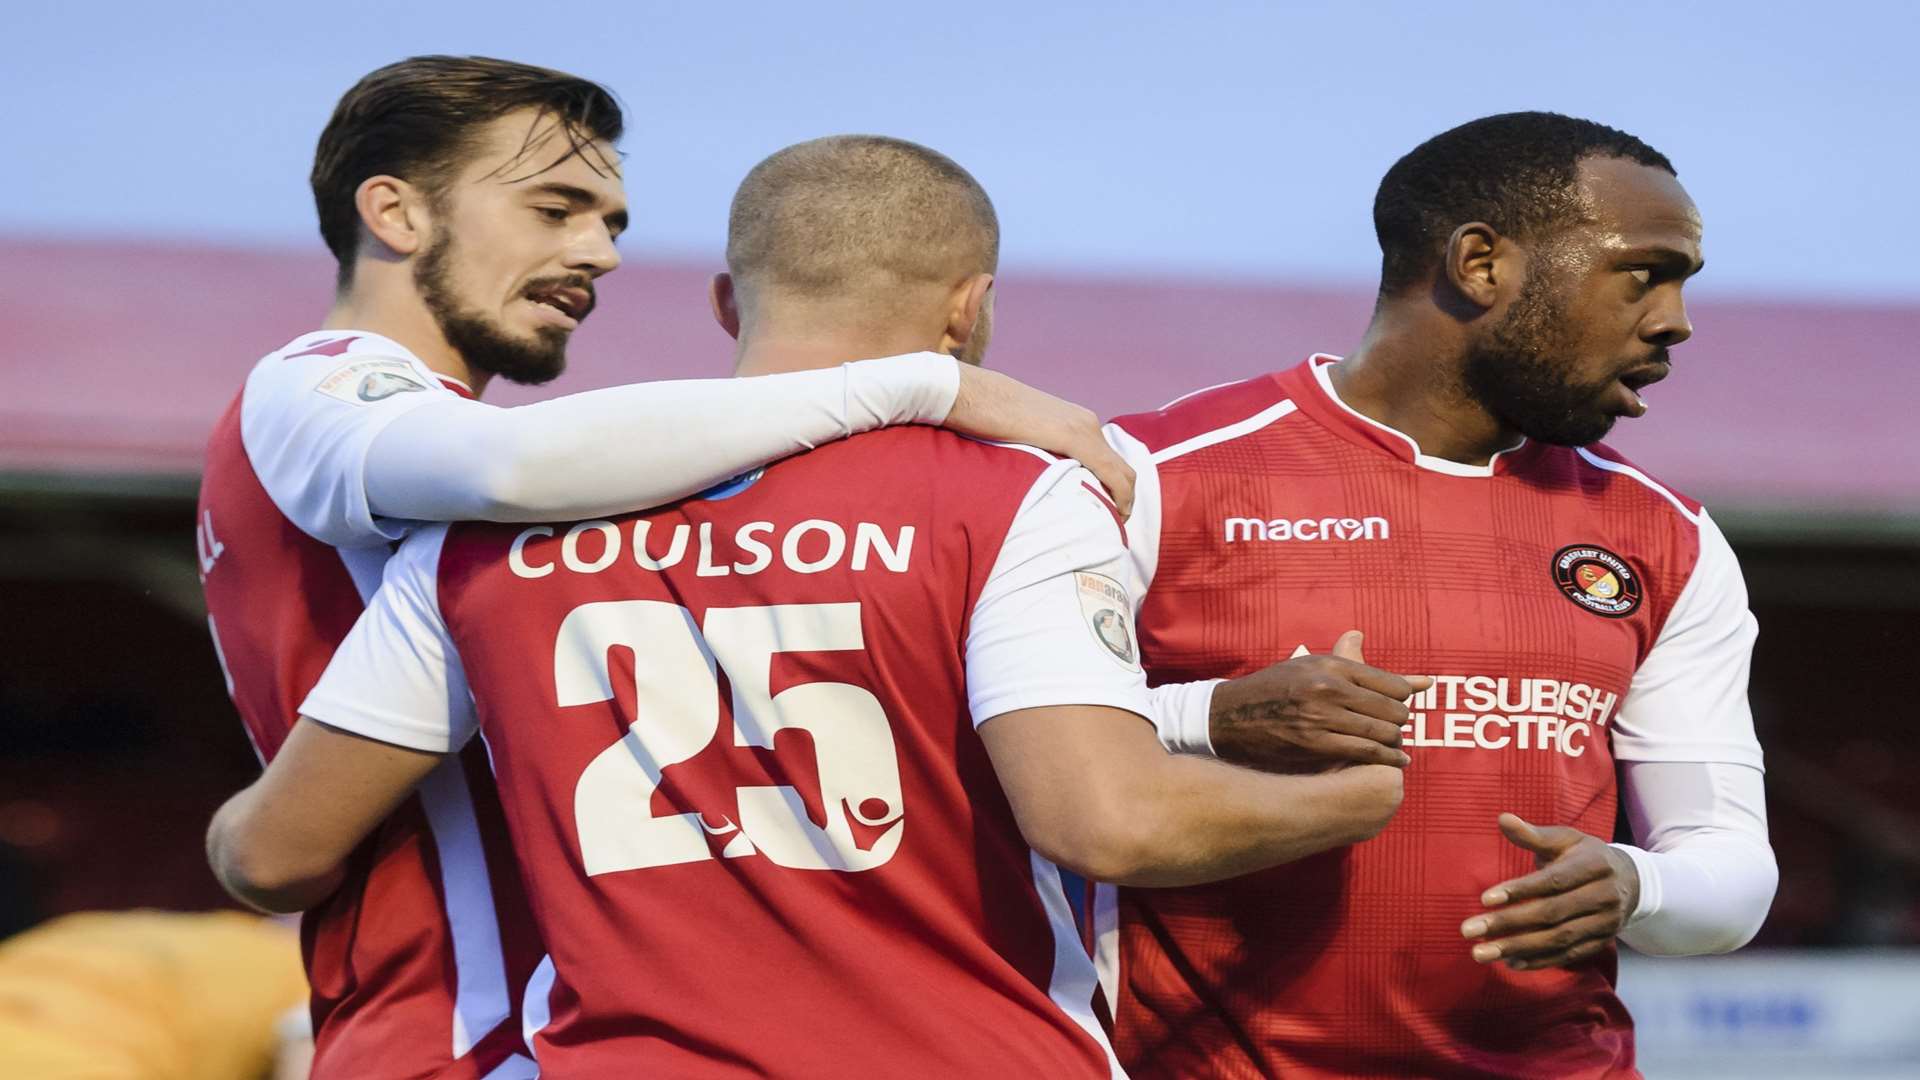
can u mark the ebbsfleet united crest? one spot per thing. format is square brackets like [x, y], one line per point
[1597, 580]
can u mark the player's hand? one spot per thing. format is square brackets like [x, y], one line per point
[1312, 713]
[992, 406]
[1566, 911]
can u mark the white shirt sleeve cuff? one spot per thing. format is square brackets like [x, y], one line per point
[1183, 715]
[1649, 872]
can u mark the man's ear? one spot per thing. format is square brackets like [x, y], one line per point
[394, 213]
[726, 307]
[1476, 260]
[963, 311]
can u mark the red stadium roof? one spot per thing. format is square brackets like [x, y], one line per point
[120, 357]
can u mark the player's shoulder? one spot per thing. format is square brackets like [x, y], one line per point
[352, 367]
[935, 454]
[1600, 469]
[957, 479]
[1227, 408]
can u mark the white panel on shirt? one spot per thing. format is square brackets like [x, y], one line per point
[1688, 699]
[307, 421]
[397, 677]
[1053, 624]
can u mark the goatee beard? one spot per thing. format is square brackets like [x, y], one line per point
[481, 344]
[1519, 373]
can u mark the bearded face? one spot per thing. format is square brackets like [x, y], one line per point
[1526, 371]
[484, 343]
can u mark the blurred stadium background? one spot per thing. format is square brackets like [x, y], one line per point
[1185, 196]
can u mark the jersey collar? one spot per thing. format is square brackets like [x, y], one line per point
[1310, 385]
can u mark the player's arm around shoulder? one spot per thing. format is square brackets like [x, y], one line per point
[630, 447]
[1054, 682]
[391, 706]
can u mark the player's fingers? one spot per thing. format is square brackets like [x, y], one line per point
[1110, 469]
[1348, 647]
[1359, 751]
[1359, 699]
[1555, 939]
[990, 405]
[1384, 683]
[1586, 950]
[1589, 899]
[1546, 841]
[1362, 726]
[1559, 876]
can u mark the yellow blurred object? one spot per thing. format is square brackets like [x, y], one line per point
[147, 994]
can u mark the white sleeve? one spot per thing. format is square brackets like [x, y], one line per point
[397, 677]
[1688, 699]
[307, 424]
[1707, 873]
[625, 448]
[1182, 712]
[1183, 715]
[1053, 624]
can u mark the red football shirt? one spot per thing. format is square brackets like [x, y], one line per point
[418, 963]
[735, 742]
[1575, 613]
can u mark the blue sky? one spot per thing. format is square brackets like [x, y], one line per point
[1225, 140]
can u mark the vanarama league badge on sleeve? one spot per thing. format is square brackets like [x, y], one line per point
[1109, 614]
[1597, 580]
[364, 382]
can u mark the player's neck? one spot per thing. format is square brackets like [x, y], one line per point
[406, 320]
[1406, 374]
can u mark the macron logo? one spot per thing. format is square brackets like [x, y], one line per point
[1373, 528]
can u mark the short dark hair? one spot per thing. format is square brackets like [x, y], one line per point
[1515, 171]
[850, 211]
[416, 119]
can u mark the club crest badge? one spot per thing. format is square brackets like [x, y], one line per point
[1109, 613]
[1597, 580]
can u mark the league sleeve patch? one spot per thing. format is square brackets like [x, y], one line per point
[365, 382]
[1109, 614]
